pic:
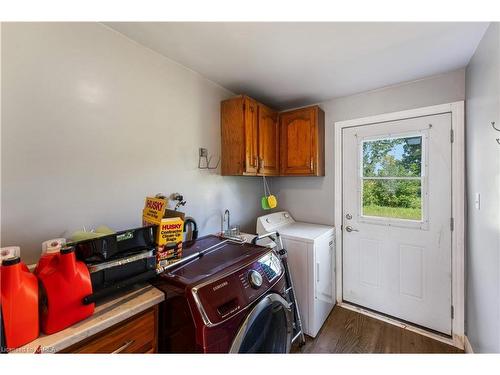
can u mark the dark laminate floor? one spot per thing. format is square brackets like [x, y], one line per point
[346, 331]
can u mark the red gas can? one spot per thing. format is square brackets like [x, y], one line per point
[65, 281]
[19, 291]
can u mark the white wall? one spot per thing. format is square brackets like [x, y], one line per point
[92, 123]
[483, 176]
[311, 198]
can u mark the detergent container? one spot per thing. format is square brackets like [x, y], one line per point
[49, 249]
[64, 282]
[19, 299]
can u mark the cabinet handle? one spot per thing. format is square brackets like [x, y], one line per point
[261, 163]
[312, 164]
[317, 272]
[255, 162]
[123, 347]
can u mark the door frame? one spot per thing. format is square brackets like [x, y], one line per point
[456, 109]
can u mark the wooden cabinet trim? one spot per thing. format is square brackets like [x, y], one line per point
[251, 124]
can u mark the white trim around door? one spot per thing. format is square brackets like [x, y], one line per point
[456, 109]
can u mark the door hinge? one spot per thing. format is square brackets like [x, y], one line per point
[452, 136]
[452, 224]
[452, 312]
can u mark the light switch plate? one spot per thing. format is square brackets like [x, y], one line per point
[477, 201]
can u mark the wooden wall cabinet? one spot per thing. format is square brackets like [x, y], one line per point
[303, 142]
[258, 141]
[250, 138]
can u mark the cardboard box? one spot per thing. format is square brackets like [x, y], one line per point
[170, 231]
[155, 208]
[170, 223]
[166, 256]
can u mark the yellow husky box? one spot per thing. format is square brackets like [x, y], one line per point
[170, 230]
[169, 234]
[170, 223]
[154, 209]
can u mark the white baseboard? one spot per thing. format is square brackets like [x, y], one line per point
[467, 346]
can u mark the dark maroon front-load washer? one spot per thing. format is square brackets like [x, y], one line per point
[230, 300]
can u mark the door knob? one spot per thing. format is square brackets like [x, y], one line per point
[350, 229]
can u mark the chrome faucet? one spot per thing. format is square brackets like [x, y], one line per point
[226, 218]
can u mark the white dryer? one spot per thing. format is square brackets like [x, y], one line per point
[311, 258]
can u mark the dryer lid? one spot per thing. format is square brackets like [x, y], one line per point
[284, 223]
[273, 222]
[305, 231]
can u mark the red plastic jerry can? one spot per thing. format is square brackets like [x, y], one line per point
[19, 292]
[64, 282]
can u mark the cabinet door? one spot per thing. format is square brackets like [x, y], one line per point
[324, 272]
[299, 142]
[232, 137]
[268, 141]
[251, 136]
[136, 335]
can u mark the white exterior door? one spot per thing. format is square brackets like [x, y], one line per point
[396, 227]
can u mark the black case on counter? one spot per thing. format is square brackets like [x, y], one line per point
[120, 244]
[106, 274]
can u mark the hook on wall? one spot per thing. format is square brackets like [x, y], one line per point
[497, 129]
[204, 155]
[180, 200]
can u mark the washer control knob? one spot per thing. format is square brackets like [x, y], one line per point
[255, 279]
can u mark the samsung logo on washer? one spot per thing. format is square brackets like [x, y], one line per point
[221, 285]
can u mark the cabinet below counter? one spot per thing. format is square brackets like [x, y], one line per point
[125, 323]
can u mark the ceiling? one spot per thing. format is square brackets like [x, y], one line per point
[291, 64]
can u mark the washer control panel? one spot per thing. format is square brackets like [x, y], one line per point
[274, 221]
[255, 279]
[268, 267]
[224, 297]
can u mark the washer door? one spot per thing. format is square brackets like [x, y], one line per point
[267, 328]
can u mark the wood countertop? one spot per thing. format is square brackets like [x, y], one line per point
[107, 313]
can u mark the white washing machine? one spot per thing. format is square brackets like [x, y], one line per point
[311, 258]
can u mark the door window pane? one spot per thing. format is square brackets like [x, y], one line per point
[391, 178]
[392, 198]
[393, 157]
